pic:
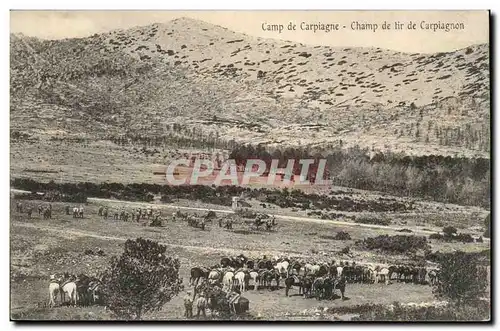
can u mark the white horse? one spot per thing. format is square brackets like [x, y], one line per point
[70, 290]
[282, 267]
[75, 212]
[254, 275]
[228, 281]
[312, 269]
[54, 289]
[241, 279]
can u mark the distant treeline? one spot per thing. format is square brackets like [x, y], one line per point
[442, 178]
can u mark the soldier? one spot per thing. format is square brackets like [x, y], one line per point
[188, 305]
[232, 298]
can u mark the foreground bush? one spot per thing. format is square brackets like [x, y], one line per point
[461, 278]
[141, 280]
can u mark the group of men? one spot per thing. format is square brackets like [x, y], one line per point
[232, 298]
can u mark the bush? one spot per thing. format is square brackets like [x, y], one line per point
[461, 278]
[375, 219]
[464, 237]
[141, 280]
[437, 236]
[396, 244]
[406, 313]
[342, 236]
[449, 231]
[53, 197]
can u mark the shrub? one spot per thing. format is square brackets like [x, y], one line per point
[437, 236]
[449, 231]
[375, 219]
[406, 313]
[342, 235]
[464, 237]
[396, 244]
[141, 280]
[461, 278]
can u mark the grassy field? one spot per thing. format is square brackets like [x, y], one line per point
[40, 247]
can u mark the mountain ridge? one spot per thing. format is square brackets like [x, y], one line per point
[366, 96]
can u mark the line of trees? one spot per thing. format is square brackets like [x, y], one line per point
[442, 178]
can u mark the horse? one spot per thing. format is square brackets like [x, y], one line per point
[82, 287]
[214, 277]
[291, 281]
[54, 289]
[282, 268]
[69, 287]
[75, 212]
[318, 287]
[268, 277]
[254, 275]
[306, 286]
[228, 280]
[94, 288]
[47, 213]
[80, 212]
[196, 274]
[242, 279]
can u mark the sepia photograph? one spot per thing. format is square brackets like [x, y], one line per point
[257, 166]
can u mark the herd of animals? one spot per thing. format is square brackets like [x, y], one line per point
[75, 290]
[154, 215]
[318, 280]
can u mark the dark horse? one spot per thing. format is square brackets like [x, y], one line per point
[324, 287]
[304, 283]
[197, 273]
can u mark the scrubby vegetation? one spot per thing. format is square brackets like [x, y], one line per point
[395, 244]
[450, 234]
[53, 197]
[220, 195]
[404, 313]
[372, 219]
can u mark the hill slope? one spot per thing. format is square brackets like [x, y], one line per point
[201, 76]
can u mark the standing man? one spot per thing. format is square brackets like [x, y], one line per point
[188, 305]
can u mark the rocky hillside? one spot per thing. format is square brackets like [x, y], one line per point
[145, 80]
